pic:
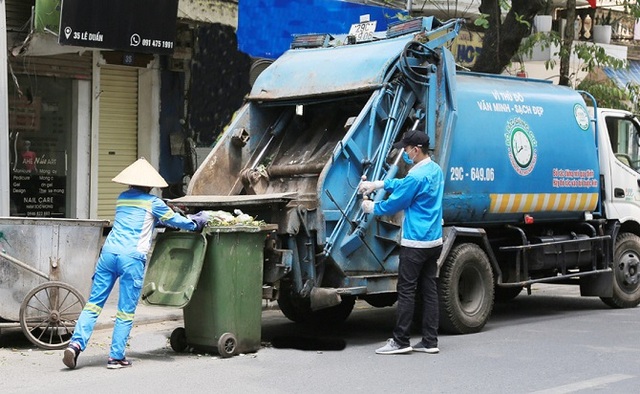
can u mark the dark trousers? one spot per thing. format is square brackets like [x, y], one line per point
[417, 265]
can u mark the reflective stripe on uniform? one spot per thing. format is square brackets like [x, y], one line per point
[125, 316]
[89, 307]
[140, 203]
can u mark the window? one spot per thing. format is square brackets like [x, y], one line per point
[624, 141]
[39, 134]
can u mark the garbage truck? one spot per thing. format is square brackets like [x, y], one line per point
[539, 186]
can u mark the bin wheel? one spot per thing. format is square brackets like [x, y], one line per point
[178, 340]
[49, 313]
[227, 345]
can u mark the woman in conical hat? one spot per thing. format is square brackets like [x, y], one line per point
[124, 255]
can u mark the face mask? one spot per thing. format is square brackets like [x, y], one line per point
[407, 159]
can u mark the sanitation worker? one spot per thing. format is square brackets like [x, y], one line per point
[419, 194]
[123, 256]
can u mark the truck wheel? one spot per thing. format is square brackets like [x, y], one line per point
[381, 300]
[299, 309]
[466, 290]
[504, 294]
[626, 272]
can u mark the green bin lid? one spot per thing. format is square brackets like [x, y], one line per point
[174, 269]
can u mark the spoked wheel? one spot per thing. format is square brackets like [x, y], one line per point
[49, 313]
[227, 345]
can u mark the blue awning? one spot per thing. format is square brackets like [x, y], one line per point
[622, 77]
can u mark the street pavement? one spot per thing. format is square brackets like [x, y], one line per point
[551, 342]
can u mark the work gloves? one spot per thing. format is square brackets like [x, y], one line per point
[200, 219]
[367, 206]
[367, 187]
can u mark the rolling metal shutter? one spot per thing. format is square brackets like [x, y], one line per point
[118, 135]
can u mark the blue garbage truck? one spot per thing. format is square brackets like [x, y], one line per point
[539, 186]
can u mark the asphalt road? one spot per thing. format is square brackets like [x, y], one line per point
[550, 342]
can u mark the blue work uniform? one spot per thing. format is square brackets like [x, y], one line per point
[419, 194]
[123, 256]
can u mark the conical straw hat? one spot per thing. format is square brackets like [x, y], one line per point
[140, 173]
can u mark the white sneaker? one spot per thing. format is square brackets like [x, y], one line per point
[419, 347]
[393, 348]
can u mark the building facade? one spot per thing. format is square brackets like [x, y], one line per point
[76, 116]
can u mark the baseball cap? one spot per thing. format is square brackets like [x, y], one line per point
[413, 138]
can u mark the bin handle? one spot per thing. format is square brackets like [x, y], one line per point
[148, 290]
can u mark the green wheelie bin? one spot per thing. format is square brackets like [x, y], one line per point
[225, 308]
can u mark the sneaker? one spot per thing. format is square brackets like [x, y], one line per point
[393, 348]
[117, 364]
[70, 356]
[419, 347]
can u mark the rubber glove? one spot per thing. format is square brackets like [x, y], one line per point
[200, 219]
[367, 206]
[367, 187]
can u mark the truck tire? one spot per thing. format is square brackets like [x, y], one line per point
[466, 290]
[626, 274]
[381, 300]
[505, 294]
[299, 309]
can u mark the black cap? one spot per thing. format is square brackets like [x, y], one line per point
[413, 138]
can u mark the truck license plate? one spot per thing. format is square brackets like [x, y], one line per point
[363, 31]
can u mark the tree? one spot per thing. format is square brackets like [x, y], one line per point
[502, 38]
[567, 44]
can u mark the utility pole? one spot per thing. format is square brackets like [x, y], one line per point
[5, 185]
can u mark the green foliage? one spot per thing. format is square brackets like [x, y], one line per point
[631, 7]
[482, 21]
[521, 19]
[607, 93]
[591, 56]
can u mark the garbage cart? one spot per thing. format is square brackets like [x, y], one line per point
[45, 275]
[222, 304]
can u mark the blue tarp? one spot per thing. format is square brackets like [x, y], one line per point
[624, 76]
[266, 27]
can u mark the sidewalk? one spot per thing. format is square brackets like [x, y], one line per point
[144, 314]
[148, 314]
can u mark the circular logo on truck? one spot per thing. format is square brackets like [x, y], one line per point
[521, 146]
[582, 116]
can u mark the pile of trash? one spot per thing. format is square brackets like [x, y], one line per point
[237, 218]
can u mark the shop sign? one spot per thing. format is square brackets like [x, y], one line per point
[467, 47]
[147, 26]
[38, 157]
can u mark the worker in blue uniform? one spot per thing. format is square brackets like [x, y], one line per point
[419, 194]
[123, 256]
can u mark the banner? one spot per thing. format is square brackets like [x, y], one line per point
[147, 26]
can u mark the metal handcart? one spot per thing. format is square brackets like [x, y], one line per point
[45, 275]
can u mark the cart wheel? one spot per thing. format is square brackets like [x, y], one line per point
[178, 340]
[48, 314]
[227, 345]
